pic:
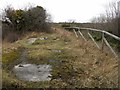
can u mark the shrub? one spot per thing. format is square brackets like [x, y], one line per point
[21, 21]
[65, 25]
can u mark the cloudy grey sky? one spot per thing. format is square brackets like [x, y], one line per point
[64, 10]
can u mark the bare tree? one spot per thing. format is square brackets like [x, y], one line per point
[108, 20]
[118, 14]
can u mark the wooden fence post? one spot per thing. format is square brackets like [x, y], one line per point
[102, 41]
[75, 33]
[93, 40]
[82, 35]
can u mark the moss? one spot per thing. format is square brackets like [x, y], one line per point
[10, 57]
[38, 41]
[39, 56]
[9, 81]
[65, 72]
[40, 84]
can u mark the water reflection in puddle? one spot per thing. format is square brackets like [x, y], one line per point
[32, 72]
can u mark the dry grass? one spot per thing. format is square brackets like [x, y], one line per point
[81, 64]
[0, 77]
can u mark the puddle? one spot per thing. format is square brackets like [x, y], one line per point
[32, 40]
[32, 72]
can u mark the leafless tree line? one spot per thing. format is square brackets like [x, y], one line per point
[110, 20]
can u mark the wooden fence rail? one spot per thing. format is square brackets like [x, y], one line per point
[104, 41]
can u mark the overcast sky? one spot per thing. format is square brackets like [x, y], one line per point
[64, 10]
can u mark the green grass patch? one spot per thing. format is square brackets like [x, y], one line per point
[9, 81]
[39, 56]
[10, 57]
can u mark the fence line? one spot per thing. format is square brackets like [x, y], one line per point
[75, 33]
[104, 41]
[82, 35]
[93, 40]
[102, 31]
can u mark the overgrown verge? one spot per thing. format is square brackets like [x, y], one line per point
[75, 64]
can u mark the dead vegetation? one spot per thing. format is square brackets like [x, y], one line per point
[75, 63]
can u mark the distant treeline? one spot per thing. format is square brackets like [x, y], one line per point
[18, 22]
[110, 27]
[109, 21]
